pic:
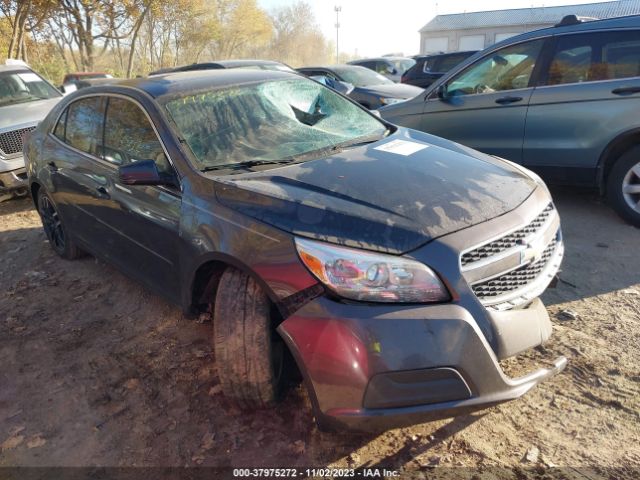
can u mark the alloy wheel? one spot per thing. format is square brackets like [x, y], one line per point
[631, 187]
[52, 224]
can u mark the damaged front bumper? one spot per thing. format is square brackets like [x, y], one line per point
[375, 367]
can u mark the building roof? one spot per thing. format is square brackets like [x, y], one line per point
[531, 16]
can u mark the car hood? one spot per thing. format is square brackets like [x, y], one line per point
[25, 113]
[392, 91]
[380, 200]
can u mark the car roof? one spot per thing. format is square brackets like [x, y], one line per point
[331, 67]
[219, 64]
[14, 68]
[176, 83]
[246, 62]
[630, 21]
[393, 57]
[434, 55]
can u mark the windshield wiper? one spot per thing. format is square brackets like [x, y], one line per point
[243, 165]
[356, 142]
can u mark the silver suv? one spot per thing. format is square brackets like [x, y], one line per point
[562, 101]
[25, 99]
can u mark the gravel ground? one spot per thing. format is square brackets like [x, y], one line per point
[96, 371]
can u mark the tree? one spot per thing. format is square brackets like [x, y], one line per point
[24, 16]
[244, 27]
[297, 38]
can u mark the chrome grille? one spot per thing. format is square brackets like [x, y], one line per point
[515, 279]
[11, 142]
[508, 241]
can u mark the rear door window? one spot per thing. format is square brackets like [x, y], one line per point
[84, 122]
[595, 57]
[447, 62]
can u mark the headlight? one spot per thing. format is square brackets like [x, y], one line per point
[372, 277]
[390, 101]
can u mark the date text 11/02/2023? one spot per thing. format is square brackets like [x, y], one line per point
[314, 472]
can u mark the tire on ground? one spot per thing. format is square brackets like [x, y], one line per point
[615, 185]
[248, 352]
[69, 249]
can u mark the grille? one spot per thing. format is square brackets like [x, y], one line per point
[508, 241]
[11, 142]
[516, 278]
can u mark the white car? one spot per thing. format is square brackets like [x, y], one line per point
[25, 99]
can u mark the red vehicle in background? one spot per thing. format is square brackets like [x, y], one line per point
[76, 81]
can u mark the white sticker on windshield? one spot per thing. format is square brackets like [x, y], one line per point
[29, 77]
[401, 147]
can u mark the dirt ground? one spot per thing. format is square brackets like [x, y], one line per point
[96, 371]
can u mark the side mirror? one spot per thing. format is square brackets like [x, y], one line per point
[391, 70]
[442, 91]
[143, 172]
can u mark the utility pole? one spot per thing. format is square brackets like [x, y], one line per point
[337, 9]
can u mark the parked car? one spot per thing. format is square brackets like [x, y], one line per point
[393, 267]
[77, 80]
[430, 68]
[25, 99]
[562, 101]
[221, 64]
[390, 67]
[370, 89]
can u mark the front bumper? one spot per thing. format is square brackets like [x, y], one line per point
[413, 363]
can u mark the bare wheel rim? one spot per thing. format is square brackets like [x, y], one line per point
[631, 187]
[52, 224]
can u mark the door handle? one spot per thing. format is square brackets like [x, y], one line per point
[625, 90]
[102, 192]
[52, 166]
[506, 100]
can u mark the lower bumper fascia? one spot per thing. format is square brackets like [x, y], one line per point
[379, 419]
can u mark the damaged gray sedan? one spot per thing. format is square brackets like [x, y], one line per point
[392, 269]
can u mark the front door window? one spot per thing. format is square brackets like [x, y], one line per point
[507, 69]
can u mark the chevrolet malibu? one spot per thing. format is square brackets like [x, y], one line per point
[393, 269]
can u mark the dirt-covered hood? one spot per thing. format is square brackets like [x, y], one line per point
[27, 113]
[380, 196]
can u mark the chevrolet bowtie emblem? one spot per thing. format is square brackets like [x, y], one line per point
[532, 253]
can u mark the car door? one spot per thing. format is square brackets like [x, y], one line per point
[79, 180]
[589, 94]
[485, 105]
[145, 220]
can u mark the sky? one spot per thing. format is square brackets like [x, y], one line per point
[377, 27]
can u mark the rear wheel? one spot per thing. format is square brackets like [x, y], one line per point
[623, 186]
[56, 233]
[249, 353]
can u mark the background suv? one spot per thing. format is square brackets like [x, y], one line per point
[25, 99]
[563, 101]
[430, 68]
